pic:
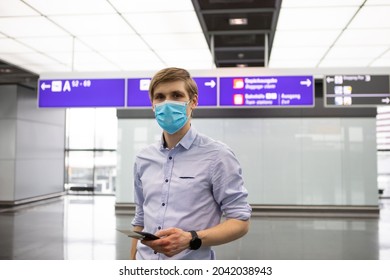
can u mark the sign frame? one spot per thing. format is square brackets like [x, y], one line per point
[352, 95]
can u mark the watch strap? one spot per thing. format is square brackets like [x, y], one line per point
[193, 234]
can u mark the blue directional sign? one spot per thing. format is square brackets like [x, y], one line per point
[81, 93]
[138, 92]
[275, 91]
[207, 88]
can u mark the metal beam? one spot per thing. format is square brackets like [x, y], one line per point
[238, 11]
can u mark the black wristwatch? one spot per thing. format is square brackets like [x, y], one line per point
[195, 242]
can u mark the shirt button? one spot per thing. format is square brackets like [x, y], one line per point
[159, 227]
[170, 157]
[166, 180]
[155, 252]
[163, 204]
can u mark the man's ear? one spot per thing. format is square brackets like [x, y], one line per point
[194, 102]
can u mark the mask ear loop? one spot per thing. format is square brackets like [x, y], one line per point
[192, 110]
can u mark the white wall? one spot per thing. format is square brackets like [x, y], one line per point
[296, 161]
[31, 146]
[40, 148]
[8, 101]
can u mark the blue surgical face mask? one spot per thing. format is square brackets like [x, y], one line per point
[171, 115]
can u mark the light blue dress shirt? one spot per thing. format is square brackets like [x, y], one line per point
[188, 187]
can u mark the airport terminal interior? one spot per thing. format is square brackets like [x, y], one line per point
[299, 90]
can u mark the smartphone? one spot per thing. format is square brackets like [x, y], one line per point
[142, 235]
[147, 235]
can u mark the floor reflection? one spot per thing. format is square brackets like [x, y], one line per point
[84, 228]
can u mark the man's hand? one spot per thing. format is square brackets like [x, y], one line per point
[172, 241]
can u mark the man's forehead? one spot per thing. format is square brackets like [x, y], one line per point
[168, 87]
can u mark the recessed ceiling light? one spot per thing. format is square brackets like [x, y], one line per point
[238, 21]
[242, 65]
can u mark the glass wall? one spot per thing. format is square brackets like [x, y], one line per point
[383, 146]
[90, 152]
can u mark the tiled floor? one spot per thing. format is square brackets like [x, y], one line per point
[84, 227]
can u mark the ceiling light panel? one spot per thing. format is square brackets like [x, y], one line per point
[377, 2]
[386, 54]
[315, 18]
[38, 67]
[134, 60]
[91, 61]
[114, 42]
[64, 58]
[372, 17]
[148, 6]
[12, 46]
[364, 37]
[79, 46]
[295, 38]
[169, 22]
[71, 7]
[29, 58]
[355, 52]
[93, 24]
[298, 53]
[68, 57]
[176, 41]
[11, 8]
[47, 68]
[49, 44]
[320, 3]
[293, 63]
[382, 62]
[352, 62]
[29, 27]
[187, 58]
[193, 65]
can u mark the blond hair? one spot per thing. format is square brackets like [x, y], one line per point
[172, 74]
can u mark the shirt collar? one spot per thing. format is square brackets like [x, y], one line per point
[189, 138]
[185, 142]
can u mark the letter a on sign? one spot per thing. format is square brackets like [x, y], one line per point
[66, 86]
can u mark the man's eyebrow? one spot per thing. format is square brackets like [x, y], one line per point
[156, 94]
[178, 91]
[171, 92]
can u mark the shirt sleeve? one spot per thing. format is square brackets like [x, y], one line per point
[138, 198]
[228, 186]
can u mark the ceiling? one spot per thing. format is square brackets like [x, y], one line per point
[45, 36]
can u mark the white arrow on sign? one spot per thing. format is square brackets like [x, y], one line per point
[386, 100]
[45, 86]
[211, 84]
[306, 83]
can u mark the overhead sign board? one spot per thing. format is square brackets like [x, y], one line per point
[270, 91]
[356, 90]
[214, 92]
[138, 92]
[81, 93]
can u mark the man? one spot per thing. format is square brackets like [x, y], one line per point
[184, 183]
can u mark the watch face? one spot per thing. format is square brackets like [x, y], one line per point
[195, 244]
